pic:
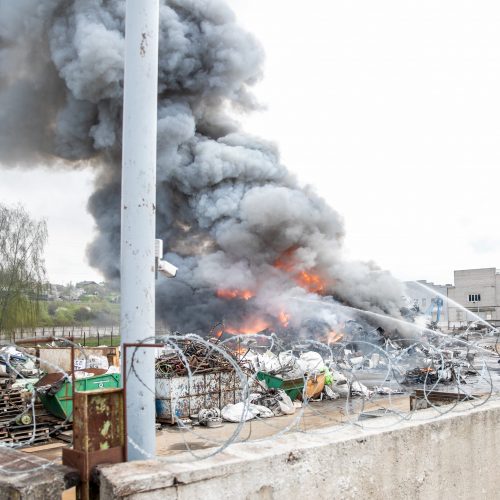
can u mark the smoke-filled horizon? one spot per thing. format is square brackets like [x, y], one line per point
[249, 241]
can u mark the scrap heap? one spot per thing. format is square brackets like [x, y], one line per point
[355, 362]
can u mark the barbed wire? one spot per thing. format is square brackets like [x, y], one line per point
[439, 362]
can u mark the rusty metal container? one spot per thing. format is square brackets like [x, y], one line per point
[184, 397]
[99, 435]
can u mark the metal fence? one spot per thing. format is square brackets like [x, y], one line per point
[84, 335]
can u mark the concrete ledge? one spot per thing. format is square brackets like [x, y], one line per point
[28, 477]
[449, 457]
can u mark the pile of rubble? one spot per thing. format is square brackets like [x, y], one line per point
[273, 380]
[31, 410]
[187, 355]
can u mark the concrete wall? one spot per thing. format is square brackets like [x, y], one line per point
[52, 357]
[25, 476]
[450, 457]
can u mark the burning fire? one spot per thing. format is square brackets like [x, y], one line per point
[252, 325]
[240, 351]
[308, 280]
[311, 282]
[232, 293]
[333, 337]
[284, 318]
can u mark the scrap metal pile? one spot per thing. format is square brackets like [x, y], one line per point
[35, 406]
[187, 355]
[265, 378]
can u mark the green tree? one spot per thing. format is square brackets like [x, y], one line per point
[22, 268]
[84, 314]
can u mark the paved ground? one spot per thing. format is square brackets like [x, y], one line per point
[316, 415]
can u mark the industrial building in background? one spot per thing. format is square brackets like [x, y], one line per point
[478, 290]
[430, 299]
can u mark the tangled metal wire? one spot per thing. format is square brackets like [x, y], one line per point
[369, 379]
[465, 372]
[30, 394]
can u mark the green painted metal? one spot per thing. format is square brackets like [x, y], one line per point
[293, 387]
[61, 403]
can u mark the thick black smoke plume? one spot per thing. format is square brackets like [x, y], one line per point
[231, 215]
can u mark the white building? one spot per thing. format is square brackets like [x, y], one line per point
[478, 290]
[429, 297]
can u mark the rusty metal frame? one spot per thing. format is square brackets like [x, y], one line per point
[98, 433]
[229, 388]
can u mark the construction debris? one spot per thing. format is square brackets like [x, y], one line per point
[191, 356]
[210, 417]
[24, 420]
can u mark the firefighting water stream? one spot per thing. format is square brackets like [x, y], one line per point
[264, 304]
[247, 238]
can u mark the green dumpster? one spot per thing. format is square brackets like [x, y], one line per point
[56, 392]
[293, 387]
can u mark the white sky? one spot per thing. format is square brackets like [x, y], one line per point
[391, 109]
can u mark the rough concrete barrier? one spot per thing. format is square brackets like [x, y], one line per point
[454, 456]
[27, 477]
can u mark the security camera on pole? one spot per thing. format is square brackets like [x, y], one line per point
[138, 206]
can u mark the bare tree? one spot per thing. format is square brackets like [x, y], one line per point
[22, 267]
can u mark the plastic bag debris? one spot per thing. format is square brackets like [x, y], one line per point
[239, 412]
[311, 362]
[330, 393]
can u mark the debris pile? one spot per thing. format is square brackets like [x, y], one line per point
[36, 406]
[14, 363]
[264, 379]
[189, 355]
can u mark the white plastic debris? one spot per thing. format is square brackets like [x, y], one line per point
[338, 376]
[341, 387]
[311, 362]
[286, 404]
[330, 393]
[289, 366]
[356, 361]
[238, 412]
[267, 362]
[374, 360]
[92, 361]
[359, 388]
[387, 390]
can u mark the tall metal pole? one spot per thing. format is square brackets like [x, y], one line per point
[137, 320]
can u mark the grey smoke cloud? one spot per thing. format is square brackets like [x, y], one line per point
[227, 208]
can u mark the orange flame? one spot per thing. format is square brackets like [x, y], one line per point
[240, 351]
[232, 293]
[252, 325]
[308, 280]
[311, 282]
[333, 337]
[284, 318]
[285, 261]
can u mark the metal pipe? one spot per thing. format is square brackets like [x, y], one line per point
[124, 384]
[138, 206]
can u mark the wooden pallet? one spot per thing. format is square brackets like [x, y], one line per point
[25, 433]
[12, 405]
